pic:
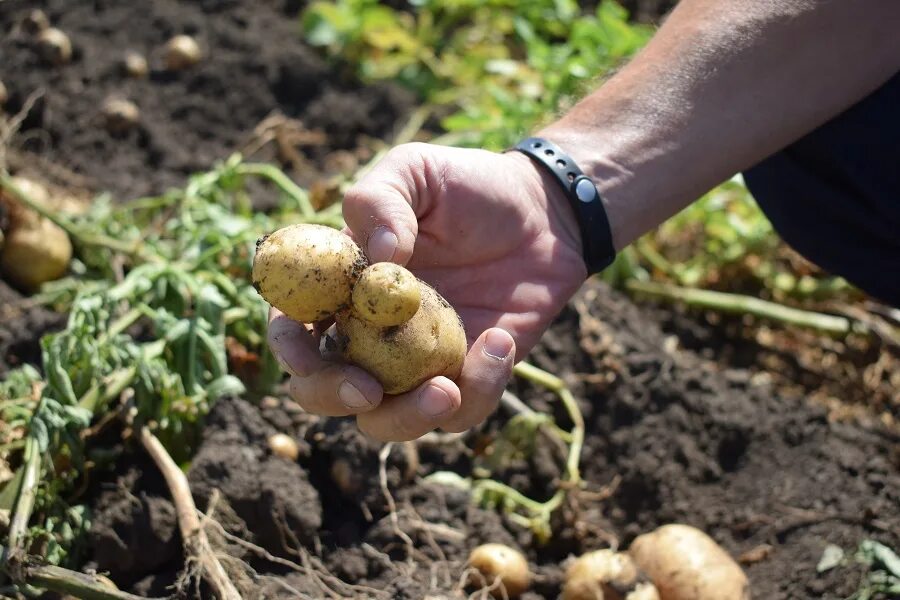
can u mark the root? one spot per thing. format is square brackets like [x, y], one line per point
[196, 543]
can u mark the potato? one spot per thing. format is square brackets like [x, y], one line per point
[54, 46]
[307, 271]
[497, 561]
[35, 250]
[386, 294]
[686, 564]
[135, 65]
[4, 95]
[182, 52]
[311, 272]
[606, 575]
[431, 343]
[283, 446]
[120, 115]
[35, 253]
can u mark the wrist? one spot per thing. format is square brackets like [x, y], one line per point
[547, 191]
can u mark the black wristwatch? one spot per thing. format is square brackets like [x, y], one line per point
[596, 237]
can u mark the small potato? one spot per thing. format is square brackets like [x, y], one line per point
[120, 115]
[386, 294]
[497, 561]
[431, 343]
[283, 446]
[182, 52]
[135, 65]
[307, 271]
[54, 46]
[35, 254]
[606, 575]
[4, 95]
[686, 564]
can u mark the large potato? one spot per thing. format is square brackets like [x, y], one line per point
[431, 343]
[307, 271]
[686, 564]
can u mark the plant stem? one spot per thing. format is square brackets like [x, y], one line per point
[738, 304]
[112, 385]
[80, 585]
[87, 239]
[282, 181]
[18, 525]
[196, 544]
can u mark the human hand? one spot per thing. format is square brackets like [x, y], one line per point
[492, 234]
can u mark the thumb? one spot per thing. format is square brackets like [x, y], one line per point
[380, 209]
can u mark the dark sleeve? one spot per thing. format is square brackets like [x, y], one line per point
[834, 195]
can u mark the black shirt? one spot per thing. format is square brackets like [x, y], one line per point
[834, 195]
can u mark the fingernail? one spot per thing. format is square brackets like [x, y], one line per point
[497, 344]
[351, 397]
[433, 402]
[382, 245]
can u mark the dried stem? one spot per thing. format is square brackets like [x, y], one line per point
[196, 543]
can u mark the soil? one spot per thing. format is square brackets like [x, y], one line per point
[675, 432]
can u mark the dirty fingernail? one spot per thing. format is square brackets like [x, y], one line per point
[433, 402]
[382, 245]
[351, 397]
[498, 344]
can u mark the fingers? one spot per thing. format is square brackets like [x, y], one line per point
[379, 209]
[319, 386]
[412, 415]
[336, 390]
[441, 403]
[485, 374]
[292, 344]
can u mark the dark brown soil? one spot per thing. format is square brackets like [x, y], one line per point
[254, 65]
[670, 435]
[673, 433]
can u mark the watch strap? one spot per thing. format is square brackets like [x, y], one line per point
[582, 194]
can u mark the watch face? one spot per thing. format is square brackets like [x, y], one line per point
[585, 190]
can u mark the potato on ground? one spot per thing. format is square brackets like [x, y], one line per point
[686, 564]
[497, 561]
[606, 575]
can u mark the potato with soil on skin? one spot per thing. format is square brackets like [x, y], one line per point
[606, 575]
[431, 343]
[310, 272]
[120, 115]
[135, 65]
[307, 271]
[686, 564]
[498, 561]
[35, 250]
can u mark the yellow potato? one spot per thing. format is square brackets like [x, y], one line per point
[606, 575]
[182, 52]
[386, 294]
[307, 271]
[54, 46]
[686, 564]
[35, 253]
[497, 561]
[431, 343]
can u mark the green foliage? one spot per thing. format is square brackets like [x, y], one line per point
[495, 68]
[160, 284]
[882, 569]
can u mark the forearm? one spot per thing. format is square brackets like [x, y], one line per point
[722, 85]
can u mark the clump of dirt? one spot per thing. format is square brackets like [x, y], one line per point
[254, 65]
